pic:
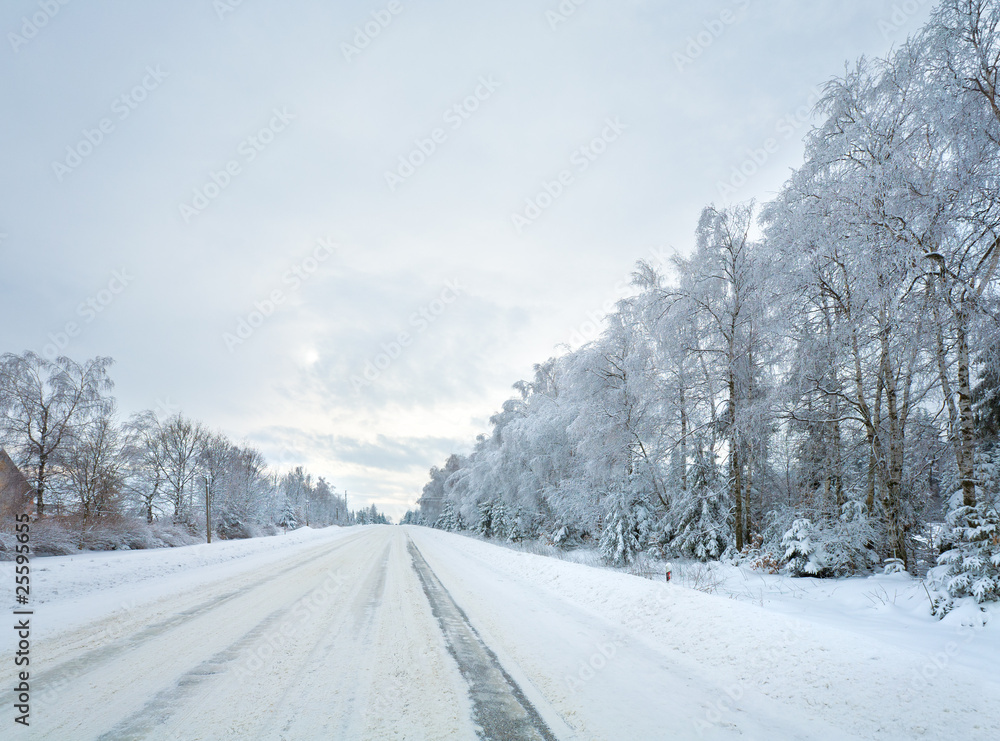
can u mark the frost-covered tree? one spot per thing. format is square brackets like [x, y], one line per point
[412, 518]
[822, 354]
[287, 519]
[500, 522]
[450, 519]
[96, 464]
[621, 538]
[484, 521]
[699, 529]
[804, 557]
[971, 566]
[43, 403]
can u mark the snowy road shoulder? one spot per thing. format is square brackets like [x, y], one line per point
[816, 672]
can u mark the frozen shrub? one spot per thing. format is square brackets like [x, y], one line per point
[834, 548]
[801, 553]
[970, 565]
[50, 538]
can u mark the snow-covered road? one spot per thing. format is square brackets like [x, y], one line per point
[408, 633]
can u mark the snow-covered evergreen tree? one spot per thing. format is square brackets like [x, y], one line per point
[288, 520]
[972, 564]
[847, 542]
[450, 519]
[801, 553]
[412, 518]
[620, 537]
[484, 523]
[515, 531]
[700, 530]
[500, 521]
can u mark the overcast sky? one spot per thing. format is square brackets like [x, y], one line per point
[342, 230]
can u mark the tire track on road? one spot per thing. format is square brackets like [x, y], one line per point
[93, 658]
[238, 615]
[301, 696]
[141, 723]
[501, 710]
[213, 680]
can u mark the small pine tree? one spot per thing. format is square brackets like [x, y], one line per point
[847, 542]
[800, 551]
[515, 533]
[974, 559]
[484, 525]
[500, 522]
[288, 520]
[700, 530]
[620, 538]
[448, 519]
[972, 564]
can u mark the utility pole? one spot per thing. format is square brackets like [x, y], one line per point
[208, 512]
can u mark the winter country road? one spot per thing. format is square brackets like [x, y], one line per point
[407, 633]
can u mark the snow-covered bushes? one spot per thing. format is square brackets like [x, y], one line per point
[66, 536]
[832, 548]
[450, 519]
[970, 563]
[803, 556]
[566, 537]
[973, 561]
[52, 538]
[757, 557]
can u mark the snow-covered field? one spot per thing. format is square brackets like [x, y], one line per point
[331, 634]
